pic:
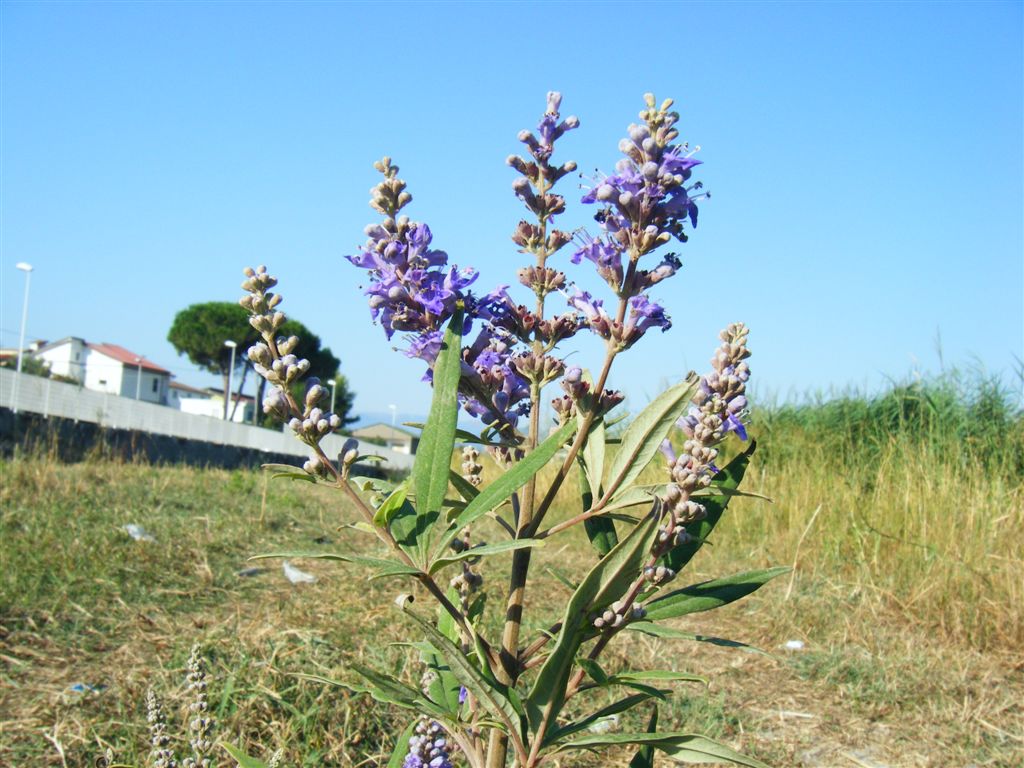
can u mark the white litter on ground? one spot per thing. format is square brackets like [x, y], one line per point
[794, 645]
[295, 576]
[137, 532]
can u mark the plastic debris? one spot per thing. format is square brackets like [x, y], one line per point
[249, 572]
[137, 532]
[605, 724]
[295, 576]
[85, 688]
[794, 645]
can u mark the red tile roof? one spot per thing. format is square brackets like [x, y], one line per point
[127, 357]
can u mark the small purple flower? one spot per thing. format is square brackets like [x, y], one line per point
[645, 314]
[606, 256]
[428, 747]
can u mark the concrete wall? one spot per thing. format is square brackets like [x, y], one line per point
[53, 399]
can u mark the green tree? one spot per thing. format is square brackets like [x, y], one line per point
[199, 331]
[32, 366]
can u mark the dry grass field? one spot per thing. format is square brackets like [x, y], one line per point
[907, 538]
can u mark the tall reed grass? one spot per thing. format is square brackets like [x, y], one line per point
[911, 499]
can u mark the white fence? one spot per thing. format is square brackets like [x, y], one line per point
[35, 394]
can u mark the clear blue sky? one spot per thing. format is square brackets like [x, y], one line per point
[865, 162]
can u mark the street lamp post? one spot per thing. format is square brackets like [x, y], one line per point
[27, 269]
[138, 378]
[333, 383]
[227, 400]
[394, 413]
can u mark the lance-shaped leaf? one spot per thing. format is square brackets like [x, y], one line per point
[485, 688]
[401, 750]
[465, 488]
[606, 582]
[600, 530]
[502, 488]
[729, 477]
[710, 594]
[444, 686]
[292, 473]
[654, 676]
[434, 455]
[381, 566]
[462, 435]
[391, 506]
[671, 633]
[593, 454]
[684, 747]
[484, 551]
[244, 760]
[385, 689]
[644, 757]
[644, 436]
[584, 723]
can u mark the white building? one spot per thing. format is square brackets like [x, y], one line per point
[398, 440]
[209, 402]
[107, 368]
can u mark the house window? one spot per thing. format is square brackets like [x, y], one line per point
[103, 381]
[156, 385]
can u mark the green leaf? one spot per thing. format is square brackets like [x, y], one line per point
[600, 530]
[683, 747]
[287, 470]
[728, 478]
[644, 757]
[466, 489]
[565, 580]
[592, 455]
[488, 691]
[444, 686]
[382, 566]
[655, 675]
[401, 750]
[385, 689]
[606, 582]
[461, 435]
[642, 438]
[434, 456]
[593, 669]
[710, 594]
[670, 633]
[507, 483]
[484, 551]
[240, 757]
[390, 506]
[581, 725]
[635, 496]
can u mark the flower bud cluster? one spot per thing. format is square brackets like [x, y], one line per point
[718, 408]
[428, 747]
[275, 360]
[644, 205]
[537, 177]
[617, 614]
[643, 315]
[579, 397]
[647, 201]
[469, 581]
[471, 469]
[413, 290]
[161, 753]
[658, 574]
[201, 725]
